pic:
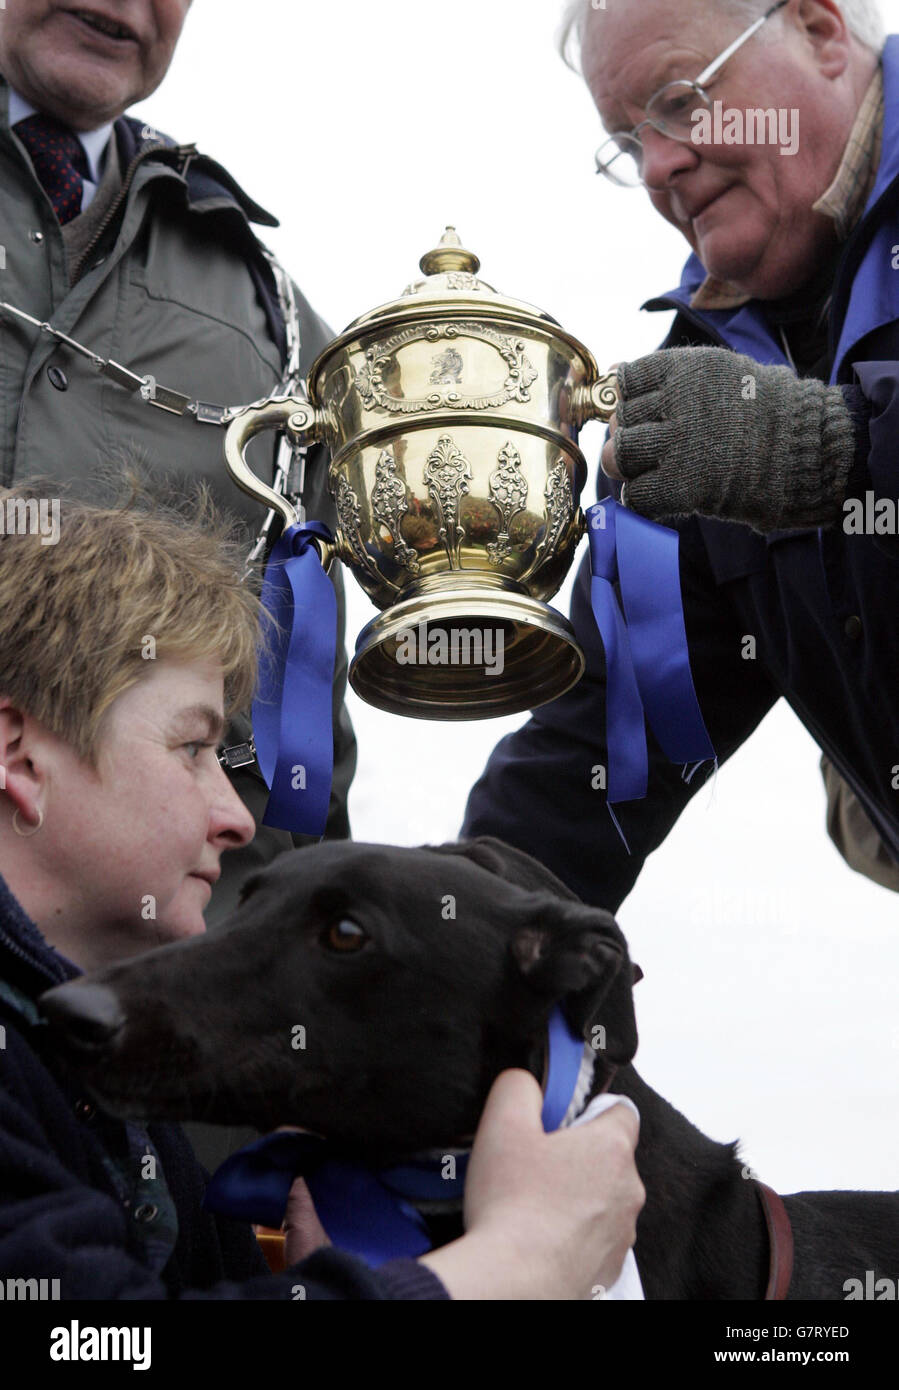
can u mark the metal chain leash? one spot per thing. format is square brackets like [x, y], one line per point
[290, 466]
[150, 391]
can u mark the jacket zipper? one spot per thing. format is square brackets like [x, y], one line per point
[8, 944]
[182, 151]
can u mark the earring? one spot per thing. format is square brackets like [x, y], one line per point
[33, 829]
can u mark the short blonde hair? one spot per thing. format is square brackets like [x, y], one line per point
[75, 615]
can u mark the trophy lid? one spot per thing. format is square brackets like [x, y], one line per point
[450, 284]
[449, 256]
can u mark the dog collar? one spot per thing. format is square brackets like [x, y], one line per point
[370, 1212]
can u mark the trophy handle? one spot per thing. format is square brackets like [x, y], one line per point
[297, 417]
[602, 398]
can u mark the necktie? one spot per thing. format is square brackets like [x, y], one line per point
[59, 161]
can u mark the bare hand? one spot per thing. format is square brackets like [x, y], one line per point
[303, 1231]
[548, 1216]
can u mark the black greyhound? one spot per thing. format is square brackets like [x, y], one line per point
[417, 975]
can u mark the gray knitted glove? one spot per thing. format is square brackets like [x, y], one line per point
[708, 430]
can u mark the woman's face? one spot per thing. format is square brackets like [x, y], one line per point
[133, 848]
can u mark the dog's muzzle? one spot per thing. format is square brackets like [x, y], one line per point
[85, 1016]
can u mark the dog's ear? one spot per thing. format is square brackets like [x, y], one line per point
[507, 862]
[572, 953]
[582, 962]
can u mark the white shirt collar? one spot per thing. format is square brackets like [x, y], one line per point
[93, 142]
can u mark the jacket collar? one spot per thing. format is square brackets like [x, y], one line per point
[28, 963]
[209, 185]
[888, 169]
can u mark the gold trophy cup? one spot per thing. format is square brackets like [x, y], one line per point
[452, 416]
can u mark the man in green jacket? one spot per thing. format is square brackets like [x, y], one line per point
[143, 251]
[160, 270]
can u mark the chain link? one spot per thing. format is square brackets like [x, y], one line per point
[290, 466]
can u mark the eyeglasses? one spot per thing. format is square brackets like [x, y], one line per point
[671, 112]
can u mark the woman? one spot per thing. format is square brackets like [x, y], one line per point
[124, 647]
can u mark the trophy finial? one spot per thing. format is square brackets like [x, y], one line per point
[449, 255]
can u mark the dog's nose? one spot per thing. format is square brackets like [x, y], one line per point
[87, 1015]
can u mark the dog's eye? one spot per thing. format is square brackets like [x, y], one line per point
[344, 936]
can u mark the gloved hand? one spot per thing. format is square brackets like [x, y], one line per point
[711, 431]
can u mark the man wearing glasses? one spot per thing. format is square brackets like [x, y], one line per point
[766, 430]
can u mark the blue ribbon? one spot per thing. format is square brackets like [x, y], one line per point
[292, 711]
[566, 1052]
[648, 673]
[368, 1211]
[354, 1204]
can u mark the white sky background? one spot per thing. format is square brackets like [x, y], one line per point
[768, 1008]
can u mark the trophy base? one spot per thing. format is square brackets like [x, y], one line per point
[471, 652]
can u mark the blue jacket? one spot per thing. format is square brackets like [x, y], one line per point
[81, 1203]
[822, 605]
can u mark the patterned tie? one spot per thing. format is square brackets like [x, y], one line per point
[59, 161]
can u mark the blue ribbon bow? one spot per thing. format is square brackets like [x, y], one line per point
[292, 711]
[368, 1211]
[647, 659]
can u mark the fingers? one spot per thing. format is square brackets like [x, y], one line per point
[514, 1104]
[642, 408]
[613, 1134]
[624, 1120]
[608, 459]
[302, 1229]
[645, 373]
[613, 1137]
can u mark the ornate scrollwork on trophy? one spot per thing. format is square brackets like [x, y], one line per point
[559, 511]
[519, 373]
[447, 475]
[346, 504]
[604, 394]
[508, 493]
[454, 280]
[389, 504]
[462, 280]
[559, 504]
